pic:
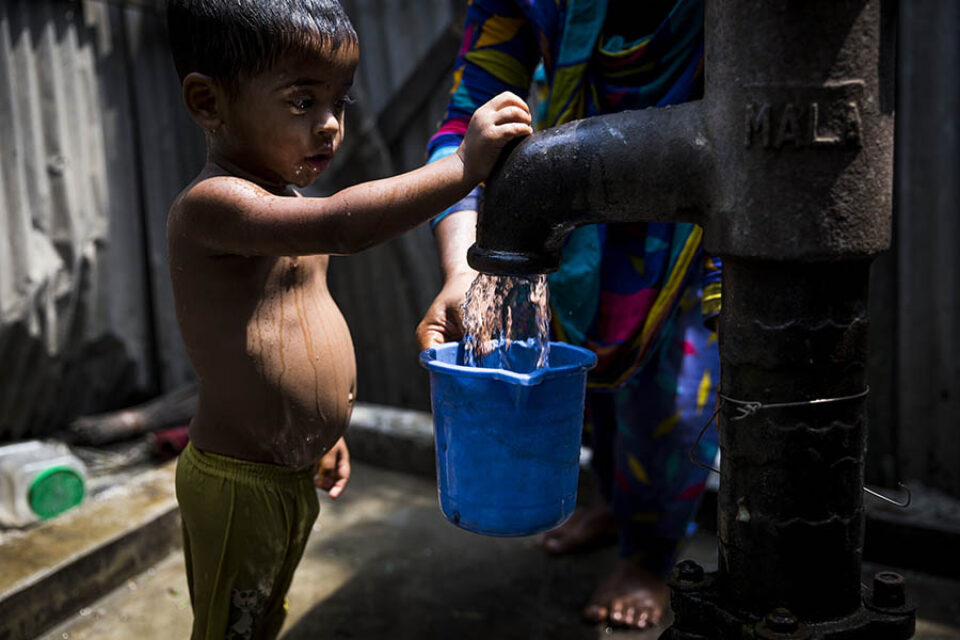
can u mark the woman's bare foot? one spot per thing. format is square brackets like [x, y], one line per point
[629, 597]
[587, 528]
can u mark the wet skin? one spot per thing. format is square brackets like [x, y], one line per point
[271, 350]
[248, 256]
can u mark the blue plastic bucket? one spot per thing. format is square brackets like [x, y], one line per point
[508, 443]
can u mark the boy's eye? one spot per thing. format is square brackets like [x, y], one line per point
[341, 104]
[302, 104]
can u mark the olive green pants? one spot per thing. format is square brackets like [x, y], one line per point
[245, 525]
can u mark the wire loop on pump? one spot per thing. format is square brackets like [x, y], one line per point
[746, 408]
[902, 505]
[690, 454]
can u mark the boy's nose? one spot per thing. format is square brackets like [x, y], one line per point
[328, 124]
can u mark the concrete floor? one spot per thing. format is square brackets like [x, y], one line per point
[383, 563]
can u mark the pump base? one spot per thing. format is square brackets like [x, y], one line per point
[700, 615]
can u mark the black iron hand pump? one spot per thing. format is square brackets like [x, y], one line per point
[787, 164]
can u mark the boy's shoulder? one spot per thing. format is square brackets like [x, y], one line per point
[215, 188]
[209, 202]
[221, 213]
[215, 196]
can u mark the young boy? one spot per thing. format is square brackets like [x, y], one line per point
[268, 80]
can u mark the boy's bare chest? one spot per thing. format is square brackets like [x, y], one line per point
[294, 292]
[290, 275]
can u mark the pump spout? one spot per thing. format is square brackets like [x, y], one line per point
[653, 165]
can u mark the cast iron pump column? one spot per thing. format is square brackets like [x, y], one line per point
[787, 165]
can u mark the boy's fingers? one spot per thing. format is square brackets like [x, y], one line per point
[343, 468]
[512, 114]
[514, 130]
[508, 97]
[505, 100]
[325, 465]
[334, 483]
[337, 489]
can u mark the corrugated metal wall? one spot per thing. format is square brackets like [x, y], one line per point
[95, 145]
[75, 330]
[926, 256]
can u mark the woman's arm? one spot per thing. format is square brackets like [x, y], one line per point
[500, 52]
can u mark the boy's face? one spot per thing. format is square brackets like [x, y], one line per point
[284, 125]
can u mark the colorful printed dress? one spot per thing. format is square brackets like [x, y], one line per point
[637, 294]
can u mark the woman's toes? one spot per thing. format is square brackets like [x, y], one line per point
[643, 620]
[595, 613]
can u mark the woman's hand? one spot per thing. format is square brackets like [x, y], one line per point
[443, 321]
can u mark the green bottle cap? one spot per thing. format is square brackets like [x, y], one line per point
[55, 490]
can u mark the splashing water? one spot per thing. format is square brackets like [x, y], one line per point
[502, 310]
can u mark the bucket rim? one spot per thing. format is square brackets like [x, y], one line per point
[428, 359]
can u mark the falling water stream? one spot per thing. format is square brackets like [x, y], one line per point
[501, 312]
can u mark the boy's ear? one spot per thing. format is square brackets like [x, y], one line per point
[203, 97]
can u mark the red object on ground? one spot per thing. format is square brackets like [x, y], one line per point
[168, 443]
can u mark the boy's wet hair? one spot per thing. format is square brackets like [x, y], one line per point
[231, 39]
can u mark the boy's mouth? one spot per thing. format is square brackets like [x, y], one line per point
[320, 161]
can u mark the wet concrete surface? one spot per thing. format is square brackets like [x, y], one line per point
[52, 568]
[383, 563]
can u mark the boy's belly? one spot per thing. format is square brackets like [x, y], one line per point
[286, 393]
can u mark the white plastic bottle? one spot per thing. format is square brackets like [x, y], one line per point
[38, 480]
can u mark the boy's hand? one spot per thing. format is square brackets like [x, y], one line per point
[333, 469]
[492, 126]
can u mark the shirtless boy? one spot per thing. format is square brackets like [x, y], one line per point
[268, 80]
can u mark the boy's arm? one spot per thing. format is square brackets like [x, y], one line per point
[229, 215]
[234, 216]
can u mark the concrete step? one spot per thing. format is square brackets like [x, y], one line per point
[56, 567]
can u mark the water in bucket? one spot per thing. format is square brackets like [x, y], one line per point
[507, 417]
